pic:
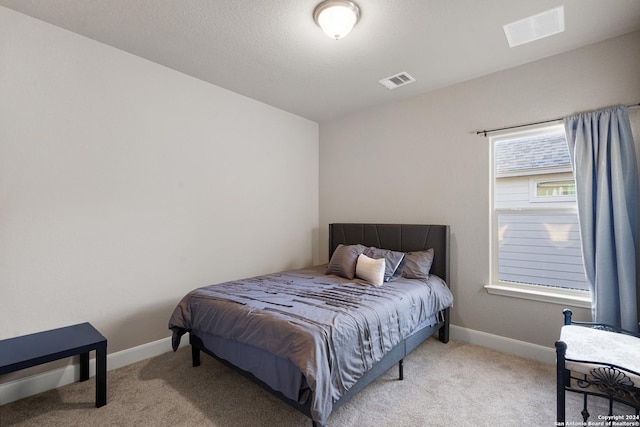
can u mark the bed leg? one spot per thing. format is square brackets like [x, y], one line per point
[401, 369]
[315, 424]
[195, 356]
[443, 332]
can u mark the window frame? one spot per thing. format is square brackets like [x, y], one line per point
[549, 294]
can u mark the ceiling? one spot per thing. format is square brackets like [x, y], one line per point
[272, 51]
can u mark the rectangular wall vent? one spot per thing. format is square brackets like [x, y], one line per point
[535, 27]
[397, 80]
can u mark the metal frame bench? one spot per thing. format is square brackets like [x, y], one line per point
[30, 350]
[594, 359]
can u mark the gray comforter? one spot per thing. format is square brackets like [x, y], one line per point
[333, 329]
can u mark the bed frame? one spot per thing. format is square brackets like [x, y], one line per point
[397, 237]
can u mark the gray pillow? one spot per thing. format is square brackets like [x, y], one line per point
[343, 261]
[418, 264]
[393, 261]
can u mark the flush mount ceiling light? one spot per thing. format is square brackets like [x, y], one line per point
[336, 17]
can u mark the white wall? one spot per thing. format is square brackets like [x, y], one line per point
[420, 161]
[124, 185]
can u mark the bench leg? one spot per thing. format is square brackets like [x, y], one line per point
[562, 380]
[101, 376]
[84, 366]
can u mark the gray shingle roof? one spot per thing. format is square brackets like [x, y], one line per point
[538, 152]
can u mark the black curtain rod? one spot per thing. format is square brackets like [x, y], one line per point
[485, 132]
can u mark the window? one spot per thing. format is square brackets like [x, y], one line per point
[552, 190]
[536, 248]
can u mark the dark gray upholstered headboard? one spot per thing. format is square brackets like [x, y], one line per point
[397, 237]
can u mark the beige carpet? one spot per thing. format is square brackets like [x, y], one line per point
[456, 384]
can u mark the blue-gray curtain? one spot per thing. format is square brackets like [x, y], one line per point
[604, 164]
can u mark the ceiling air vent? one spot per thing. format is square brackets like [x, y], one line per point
[398, 80]
[535, 27]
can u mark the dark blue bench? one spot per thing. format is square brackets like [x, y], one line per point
[42, 347]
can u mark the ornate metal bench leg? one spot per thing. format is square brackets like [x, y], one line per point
[585, 412]
[561, 381]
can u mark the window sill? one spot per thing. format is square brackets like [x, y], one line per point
[574, 298]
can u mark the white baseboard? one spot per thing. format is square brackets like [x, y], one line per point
[29, 386]
[506, 345]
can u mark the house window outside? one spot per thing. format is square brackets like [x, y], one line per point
[542, 190]
[536, 243]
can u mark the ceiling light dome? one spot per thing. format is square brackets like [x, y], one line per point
[336, 17]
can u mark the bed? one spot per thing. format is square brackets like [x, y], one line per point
[316, 336]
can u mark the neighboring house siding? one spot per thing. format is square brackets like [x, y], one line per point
[511, 193]
[541, 249]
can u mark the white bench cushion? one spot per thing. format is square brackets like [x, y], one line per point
[585, 343]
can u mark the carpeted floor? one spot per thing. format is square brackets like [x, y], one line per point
[454, 384]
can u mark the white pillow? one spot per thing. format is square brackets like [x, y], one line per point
[371, 270]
